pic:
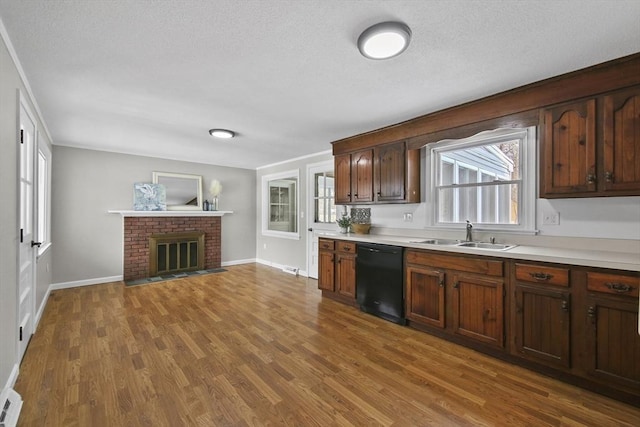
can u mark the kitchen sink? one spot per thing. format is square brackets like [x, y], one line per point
[484, 245]
[437, 241]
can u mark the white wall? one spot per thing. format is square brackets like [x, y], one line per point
[279, 251]
[86, 184]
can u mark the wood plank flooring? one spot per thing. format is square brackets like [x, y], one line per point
[255, 346]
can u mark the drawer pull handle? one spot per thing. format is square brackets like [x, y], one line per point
[591, 312]
[619, 287]
[542, 277]
[564, 306]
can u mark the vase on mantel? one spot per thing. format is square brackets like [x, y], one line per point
[213, 206]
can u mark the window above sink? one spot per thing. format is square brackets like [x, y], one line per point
[488, 179]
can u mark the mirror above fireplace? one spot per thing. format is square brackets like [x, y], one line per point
[184, 191]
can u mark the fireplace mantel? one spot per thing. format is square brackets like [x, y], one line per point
[170, 213]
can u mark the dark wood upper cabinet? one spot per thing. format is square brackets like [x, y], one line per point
[342, 170]
[621, 141]
[592, 147]
[568, 163]
[396, 173]
[354, 177]
[384, 174]
[362, 176]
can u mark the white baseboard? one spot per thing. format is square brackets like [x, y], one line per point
[239, 261]
[43, 304]
[302, 273]
[86, 282]
[13, 377]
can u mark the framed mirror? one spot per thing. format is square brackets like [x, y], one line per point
[280, 205]
[184, 191]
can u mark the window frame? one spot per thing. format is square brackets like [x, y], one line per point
[527, 182]
[266, 202]
[43, 195]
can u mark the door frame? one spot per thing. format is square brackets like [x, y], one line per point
[311, 224]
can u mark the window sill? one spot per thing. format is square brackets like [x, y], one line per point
[43, 250]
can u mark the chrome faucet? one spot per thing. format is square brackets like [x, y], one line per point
[469, 234]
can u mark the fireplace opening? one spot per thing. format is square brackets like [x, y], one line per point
[175, 253]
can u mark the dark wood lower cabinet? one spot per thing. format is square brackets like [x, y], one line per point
[542, 330]
[613, 343]
[425, 296]
[478, 308]
[577, 324]
[337, 270]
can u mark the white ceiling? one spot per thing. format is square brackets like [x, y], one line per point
[151, 77]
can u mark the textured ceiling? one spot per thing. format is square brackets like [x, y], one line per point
[152, 77]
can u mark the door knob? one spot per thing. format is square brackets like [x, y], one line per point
[38, 244]
[310, 229]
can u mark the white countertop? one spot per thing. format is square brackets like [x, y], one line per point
[581, 257]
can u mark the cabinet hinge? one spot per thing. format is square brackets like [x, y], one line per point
[21, 136]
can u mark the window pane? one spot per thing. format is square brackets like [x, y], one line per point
[492, 204]
[447, 173]
[325, 211]
[42, 197]
[467, 175]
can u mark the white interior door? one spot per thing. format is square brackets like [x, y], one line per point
[321, 210]
[27, 246]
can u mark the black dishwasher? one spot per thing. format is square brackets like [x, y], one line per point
[379, 288]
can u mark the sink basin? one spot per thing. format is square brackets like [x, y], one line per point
[437, 241]
[483, 245]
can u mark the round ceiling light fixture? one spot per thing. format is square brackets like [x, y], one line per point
[222, 133]
[384, 40]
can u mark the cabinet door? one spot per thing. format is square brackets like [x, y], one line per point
[542, 327]
[621, 131]
[326, 271]
[569, 149]
[425, 296]
[346, 275]
[478, 308]
[390, 172]
[613, 340]
[342, 170]
[362, 176]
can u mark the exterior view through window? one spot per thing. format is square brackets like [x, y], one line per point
[325, 209]
[480, 179]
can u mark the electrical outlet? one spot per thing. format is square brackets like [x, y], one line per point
[551, 218]
[408, 217]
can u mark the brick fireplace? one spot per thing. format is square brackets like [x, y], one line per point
[139, 227]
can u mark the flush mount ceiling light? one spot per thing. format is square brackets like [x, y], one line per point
[222, 133]
[384, 40]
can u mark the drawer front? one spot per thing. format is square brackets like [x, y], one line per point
[613, 284]
[349, 247]
[459, 263]
[326, 244]
[542, 274]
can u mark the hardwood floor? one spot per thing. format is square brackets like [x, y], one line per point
[255, 346]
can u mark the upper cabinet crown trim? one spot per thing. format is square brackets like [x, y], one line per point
[592, 81]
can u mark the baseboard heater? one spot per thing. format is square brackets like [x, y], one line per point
[10, 405]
